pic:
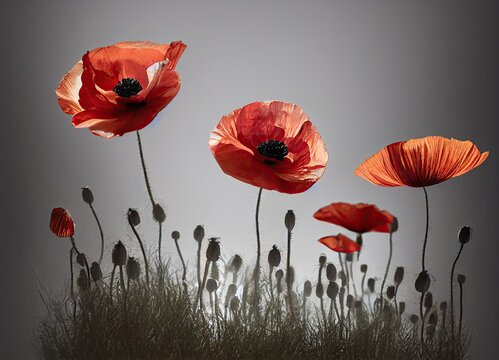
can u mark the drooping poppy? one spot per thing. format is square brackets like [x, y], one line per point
[421, 162]
[359, 218]
[340, 243]
[61, 223]
[121, 88]
[271, 145]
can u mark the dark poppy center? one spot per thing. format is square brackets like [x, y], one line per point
[273, 149]
[127, 87]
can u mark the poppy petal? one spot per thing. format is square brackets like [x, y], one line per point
[340, 243]
[68, 89]
[61, 223]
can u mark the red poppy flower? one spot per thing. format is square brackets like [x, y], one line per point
[61, 223]
[121, 88]
[340, 243]
[359, 218]
[272, 145]
[421, 162]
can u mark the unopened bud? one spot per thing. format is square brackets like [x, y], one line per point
[132, 268]
[464, 234]
[363, 268]
[211, 285]
[461, 279]
[399, 275]
[289, 220]
[370, 284]
[87, 195]
[401, 307]
[199, 233]
[95, 271]
[349, 257]
[331, 272]
[80, 259]
[236, 263]
[133, 217]
[213, 250]
[119, 254]
[307, 288]
[175, 235]
[322, 259]
[332, 290]
[428, 300]
[395, 225]
[390, 292]
[274, 257]
[158, 213]
[422, 283]
[319, 291]
[279, 274]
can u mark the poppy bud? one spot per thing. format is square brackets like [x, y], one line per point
[211, 285]
[82, 280]
[234, 304]
[461, 279]
[158, 213]
[307, 289]
[236, 263]
[80, 259]
[289, 220]
[119, 254]
[231, 290]
[395, 225]
[443, 305]
[428, 300]
[133, 217]
[399, 275]
[213, 250]
[349, 301]
[332, 290]
[370, 284]
[430, 331]
[132, 268]
[433, 319]
[61, 223]
[414, 318]
[274, 257]
[464, 234]
[87, 195]
[343, 278]
[175, 235]
[322, 259]
[279, 274]
[422, 283]
[363, 268]
[349, 257]
[401, 307]
[199, 233]
[390, 292]
[331, 272]
[319, 291]
[95, 271]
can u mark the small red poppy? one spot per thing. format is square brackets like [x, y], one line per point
[61, 223]
[340, 243]
[121, 88]
[359, 218]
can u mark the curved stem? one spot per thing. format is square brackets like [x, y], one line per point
[146, 265]
[460, 309]
[182, 260]
[288, 275]
[201, 289]
[71, 270]
[426, 230]
[452, 294]
[256, 274]
[146, 177]
[159, 244]
[101, 233]
[387, 268]
[111, 283]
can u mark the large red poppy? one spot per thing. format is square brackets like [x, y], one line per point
[421, 162]
[121, 88]
[272, 145]
[61, 223]
[340, 243]
[359, 218]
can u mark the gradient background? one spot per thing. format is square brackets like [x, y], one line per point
[367, 73]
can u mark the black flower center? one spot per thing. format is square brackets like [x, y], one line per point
[127, 87]
[273, 149]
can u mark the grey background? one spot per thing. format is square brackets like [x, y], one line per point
[367, 73]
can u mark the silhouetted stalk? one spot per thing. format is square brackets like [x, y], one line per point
[159, 245]
[84, 258]
[353, 279]
[146, 264]
[321, 298]
[460, 308]
[198, 264]
[387, 269]
[101, 233]
[111, 283]
[122, 280]
[422, 320]
[423, 263]
[336, 310]
[362, 283]
[270, 283]
[347, 273]
[341, 263]
[183, 262]
[72, 275]
[144, 169]
[288, 275]
[256, 274]
[452, 295]
[203, 283]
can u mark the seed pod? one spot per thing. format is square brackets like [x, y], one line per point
[236, 263]
[461, 279]
[428, 300]
[363, 268]
[322, 259]
[443, 306]
[332, 290]
[80, 259]
[430, 331]
[390, 292]
[370, 284]
[331, 272]
[175, 235]
[234, 304]
[307, 289]
[213, 250]
[414, 318]
[401, 307]
[464, 234]
[349, 301]
[87, 195]
[422, 283]
[133, 217]
[132, 268]
[119, 254]
[395, 225]
[289, 220]
[349, 257]
[95, 271]
[82, 280]
[158, 213]
[319, 291]
[433, 319]
[211, 285]
[279, 274]
[343, 278]
[399, 275]
[199, 233]
[274, 257]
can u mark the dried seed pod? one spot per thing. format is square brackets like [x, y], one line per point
[211, 285]
[274, 257]
[428, 300]
[289, 220]
[414, 318]
[332, 290]
[82, 280]
[213, 250]
[349, 301]
[370, 284]
[343, 278]
[322, 259]
[422, 283]
[363, 268]
[95, 271]
[199, 233]
[133, 217]
[464, 234]
[433, 319]
[443, 306]
[331, 272]
[349, 257]
[80, 259]
[236, 263]
[390, 292]
[399, 275]
[319, 291]
[119, 254]
[307, 288]
[401, 307]
[395, 225]
[132, 268]
[279, 274]
[461, 279]
[87, 195]
[175, 235]
[158, 213]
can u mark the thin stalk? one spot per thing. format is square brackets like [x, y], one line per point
[422, 320]
[363, 283]
[71, 271]
[353, 279]
[84, 258]
[270, 283]
[101, 233]
[387, 268]
[288, 275]
[200, 290]
[341, 263]
[452, 294]
[182, 260]
[460, 309]
[146, 264]
[144, 169]
[256, 274]
[321, 298]
[111, 283]
[426, 230]
[122, 280]
[159, 244]
[198, 263]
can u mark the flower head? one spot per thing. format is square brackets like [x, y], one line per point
[421, 162]
[61, 223]
[340, 243]
[120, 88]
[272, 145]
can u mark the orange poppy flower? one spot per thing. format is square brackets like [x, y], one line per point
[61, 223]
[121, 88]
[359, 218]
[271, 145]
[421, 162]
[340, 243]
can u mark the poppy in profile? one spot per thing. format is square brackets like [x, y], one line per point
[61, 223]
[340, 243]
[359, 218]
[121, 88]
[421, 162]
[271, 145]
